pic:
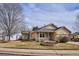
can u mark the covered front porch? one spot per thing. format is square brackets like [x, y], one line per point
[45, 36]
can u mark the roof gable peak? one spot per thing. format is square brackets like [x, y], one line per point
[64, 28]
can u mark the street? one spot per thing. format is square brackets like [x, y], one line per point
[32, 52]
[4, 54]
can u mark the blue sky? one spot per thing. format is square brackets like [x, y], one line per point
[41, 14]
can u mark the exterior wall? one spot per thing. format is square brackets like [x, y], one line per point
[60, 33]
[45, 38]
[25, 36]
[34, 36]
[51, 36]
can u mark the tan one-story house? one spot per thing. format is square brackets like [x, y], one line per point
[48, 32]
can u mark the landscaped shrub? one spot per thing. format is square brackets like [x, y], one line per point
[4, 42]
[76, 39]
[49, 43]
[64, 39]
[20, 39]
[33, 39]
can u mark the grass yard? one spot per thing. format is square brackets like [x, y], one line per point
[36, 45]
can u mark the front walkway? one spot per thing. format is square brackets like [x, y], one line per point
[27, 52]
[77, 43]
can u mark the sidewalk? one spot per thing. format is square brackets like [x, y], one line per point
[30, 52]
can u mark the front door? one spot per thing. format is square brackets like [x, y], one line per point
[51, 36]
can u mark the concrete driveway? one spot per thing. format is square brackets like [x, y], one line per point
[31, 52]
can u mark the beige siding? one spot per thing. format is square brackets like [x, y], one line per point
[50, 27]
[45, 38]
[34, 35]
[60, 33]
[51, 36]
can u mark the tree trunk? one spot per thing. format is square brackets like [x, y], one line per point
[3, 37]
[8, 37]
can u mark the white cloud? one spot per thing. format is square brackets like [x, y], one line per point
[38, 16]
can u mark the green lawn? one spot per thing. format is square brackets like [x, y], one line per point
[36, 45]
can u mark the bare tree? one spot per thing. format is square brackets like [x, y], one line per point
[76, 27]
[24, 27]
[11, 17]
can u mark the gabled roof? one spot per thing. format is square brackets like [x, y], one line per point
[64, 28]
[49, 25]
[47, 29]
[51, 30]
[43, 29]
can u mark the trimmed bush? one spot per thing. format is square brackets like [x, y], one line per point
[3, 41]
[20, 39]
[76, 39]
[33, 39]
[64, 39]
[49, 43]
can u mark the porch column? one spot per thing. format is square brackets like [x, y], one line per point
[36, 36]
[48, 36]
[39, 36]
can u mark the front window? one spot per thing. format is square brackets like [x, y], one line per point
[42, 34]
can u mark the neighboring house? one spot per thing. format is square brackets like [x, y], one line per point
[1, 35]
[76, 35]
[15, 36]
[48, 32]
[26, 35]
